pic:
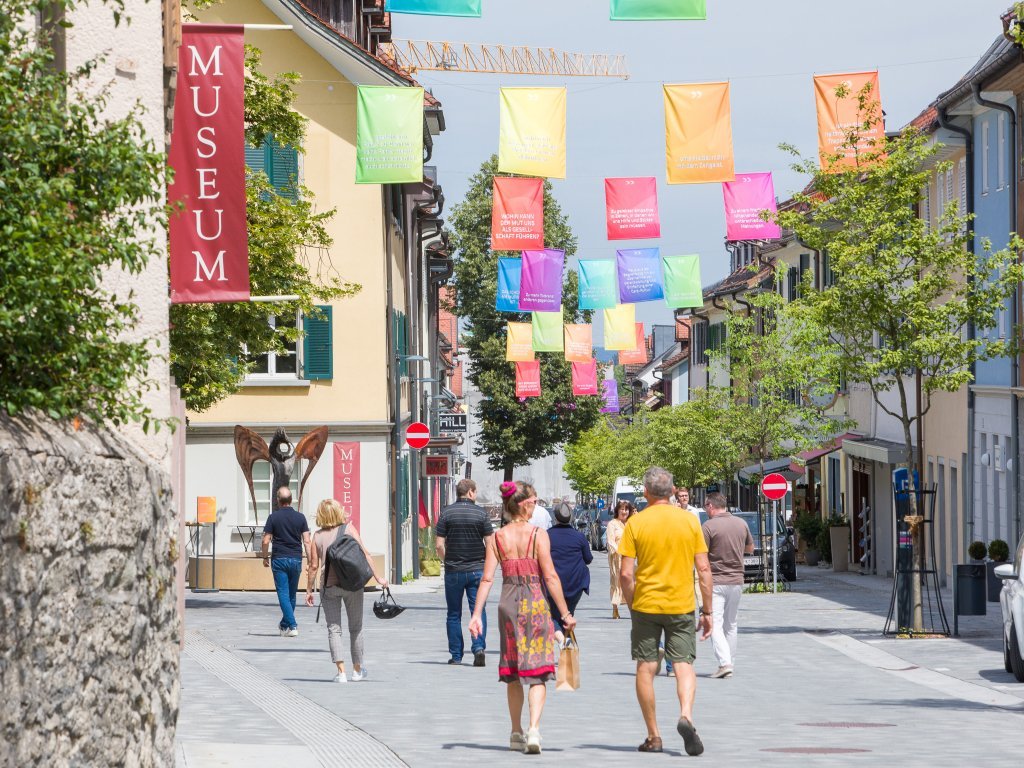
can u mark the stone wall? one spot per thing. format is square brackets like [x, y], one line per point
[88, 623]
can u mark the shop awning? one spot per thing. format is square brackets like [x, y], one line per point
[873, 449]
[801, 460]
[776, 465]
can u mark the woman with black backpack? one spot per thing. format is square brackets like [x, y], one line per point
[334, 524]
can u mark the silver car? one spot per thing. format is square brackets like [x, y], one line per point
[1011, 601]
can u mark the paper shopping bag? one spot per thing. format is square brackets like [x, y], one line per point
[567, 678]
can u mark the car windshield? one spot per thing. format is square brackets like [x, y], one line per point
[605, 514]
[753, 521]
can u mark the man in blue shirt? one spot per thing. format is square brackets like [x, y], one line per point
[570, 554]
[289, 532]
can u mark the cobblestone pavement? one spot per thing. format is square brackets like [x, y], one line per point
[815, 684]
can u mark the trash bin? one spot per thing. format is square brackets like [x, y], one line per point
[970, 589]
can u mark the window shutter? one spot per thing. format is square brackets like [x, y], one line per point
[284, 169]
[256, 159]
[926, 207]
[963, 186]
[317, 351]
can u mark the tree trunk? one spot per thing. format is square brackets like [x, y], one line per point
[917, 537]
[509, 468]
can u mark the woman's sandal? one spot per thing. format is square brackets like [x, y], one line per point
[650, 745]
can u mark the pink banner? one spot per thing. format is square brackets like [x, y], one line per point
[745, 198]
[540, 284]
[584, 378]
[517, 214]
[528, 379]
[209, 253]
[346, 478]
[632, 208]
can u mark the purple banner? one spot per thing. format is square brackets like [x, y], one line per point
[639, 275]
[540, 286]
[745, 198]
[610, 392]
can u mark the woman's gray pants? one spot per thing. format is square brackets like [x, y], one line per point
[332, 599]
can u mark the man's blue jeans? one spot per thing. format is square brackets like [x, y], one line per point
[286, 572]
[455, 585]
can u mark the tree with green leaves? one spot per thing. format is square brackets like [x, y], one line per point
[513, 432]
[592, 460]
[213, 346]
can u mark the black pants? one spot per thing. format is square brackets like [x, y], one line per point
[571, 601]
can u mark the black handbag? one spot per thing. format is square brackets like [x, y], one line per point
[385, 606]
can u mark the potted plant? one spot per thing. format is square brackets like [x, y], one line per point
[998, 553]
[808, 526]
[839, 542]
[824, 544]
[976, 551]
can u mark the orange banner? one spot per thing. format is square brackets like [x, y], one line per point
[579, 343]
[519, 343]
[698, 133]
[840, 116]
[638, 355]
[206, 509]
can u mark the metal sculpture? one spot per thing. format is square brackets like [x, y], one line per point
[250, 448]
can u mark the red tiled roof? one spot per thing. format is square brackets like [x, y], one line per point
[682, 329]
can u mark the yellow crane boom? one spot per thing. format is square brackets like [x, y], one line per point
[430, 56]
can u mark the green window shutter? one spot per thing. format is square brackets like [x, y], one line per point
[256, 158]
[284, 169]
[317, 351]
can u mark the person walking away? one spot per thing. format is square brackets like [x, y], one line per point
[613, 535]
[681, 499]
[288, 531]
[728, 539]
[660, 549]
[462, 530]
[570, 553]
[524, 620]
[333, 524]
[541, 517]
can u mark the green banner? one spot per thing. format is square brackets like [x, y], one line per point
[435, 7]
[649, 10]
[548, 335]
[682, 281]
[389, 135]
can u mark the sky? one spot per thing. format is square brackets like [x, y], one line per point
[768, 51]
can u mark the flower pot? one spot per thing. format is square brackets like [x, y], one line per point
[811, 557]
[993, 584]
[840, 537]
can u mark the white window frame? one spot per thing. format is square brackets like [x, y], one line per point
[262, 477]
[985, 151]
[1001, 152]
[272, 374]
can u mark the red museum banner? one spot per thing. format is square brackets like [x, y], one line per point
[346, 478]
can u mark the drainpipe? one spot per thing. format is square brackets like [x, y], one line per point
[396, 396]
[1014, 307]
[968, 525]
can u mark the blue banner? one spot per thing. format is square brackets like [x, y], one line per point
[509, 275]
[435, 7]
[639, 275]
[597, 284]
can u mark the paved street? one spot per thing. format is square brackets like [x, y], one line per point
[814, 682]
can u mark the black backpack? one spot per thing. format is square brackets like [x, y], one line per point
[347, 561]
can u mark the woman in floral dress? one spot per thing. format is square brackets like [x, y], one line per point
[524, 619]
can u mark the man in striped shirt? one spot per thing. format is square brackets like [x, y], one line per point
[462, 530]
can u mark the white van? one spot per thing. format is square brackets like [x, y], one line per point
[625, 489]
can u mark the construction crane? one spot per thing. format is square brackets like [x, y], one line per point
[428, 56]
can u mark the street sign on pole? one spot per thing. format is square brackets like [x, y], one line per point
[600, 503]
[417, 435]
[451, 422]
[437, 466]
[774, 486]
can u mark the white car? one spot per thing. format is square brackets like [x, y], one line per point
[1011, 600]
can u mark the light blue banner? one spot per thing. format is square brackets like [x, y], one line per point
[597, 284]
[435, 7]
[510, 273]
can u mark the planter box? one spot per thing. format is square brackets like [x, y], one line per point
[993, 584]
[840, 537]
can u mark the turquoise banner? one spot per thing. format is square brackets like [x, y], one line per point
[435, 7]
[598, 287]
[649, 10]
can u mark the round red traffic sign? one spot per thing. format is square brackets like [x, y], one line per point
[417, 435]
[774, 486]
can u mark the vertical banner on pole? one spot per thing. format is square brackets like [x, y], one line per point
[517, 214]
[540, 286]
[620, 327]
[548, 333]
[632, 208]
[509, 273]
[579, 342]
[838, 117]
[745, 199]
[584, 378]
[639, 272]
[346, 478]
[389, 135]
[435, 7]
[519, 342]
[209, 244]
[528, 379]
[531, 137]
[698, 133]
[610, 391]
[653, 10]
[682, 281]
[637, 355]
[597, 286]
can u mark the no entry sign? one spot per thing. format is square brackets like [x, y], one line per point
[417, 435]
[774, 486]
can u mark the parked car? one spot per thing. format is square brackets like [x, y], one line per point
[597, 523]
[1011, 603]
[784, 547]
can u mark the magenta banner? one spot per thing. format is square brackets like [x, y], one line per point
[610, 392]
[745, 198]
[632, 208]
[540, 285]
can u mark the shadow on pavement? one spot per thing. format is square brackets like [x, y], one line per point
[486, 747]
[611, 748]
[943, 704]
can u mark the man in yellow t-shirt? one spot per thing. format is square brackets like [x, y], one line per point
[661, 547]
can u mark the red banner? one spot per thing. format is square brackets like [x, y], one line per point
[209, 241]
[637, 355]
[528, 379]
[517, 214]
[584, 378]
[632, 208]
[346, 478]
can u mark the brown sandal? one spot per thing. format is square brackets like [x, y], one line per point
[650, 745]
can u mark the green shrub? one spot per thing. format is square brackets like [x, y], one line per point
[998, 551]
[976, 550]
[808, 525]
[824, 542]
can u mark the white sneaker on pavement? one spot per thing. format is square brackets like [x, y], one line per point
[293, 632]
[722, 673]
[517, 742]
[533, 742]
[359, 675]
[340, 678]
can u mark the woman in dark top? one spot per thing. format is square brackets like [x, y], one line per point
[570, 552]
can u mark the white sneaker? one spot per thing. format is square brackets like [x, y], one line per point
[533, 742]
[284, 632]
[340, 678]
[359, 675]
[517, 742]
[293, 632]
[722, 673]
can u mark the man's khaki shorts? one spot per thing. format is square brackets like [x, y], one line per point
[678, 629]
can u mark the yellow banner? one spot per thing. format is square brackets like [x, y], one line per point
[519, 343]
[531, 139]
[841, 118]
[579, 343]
[620, 327]
[698, 133]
